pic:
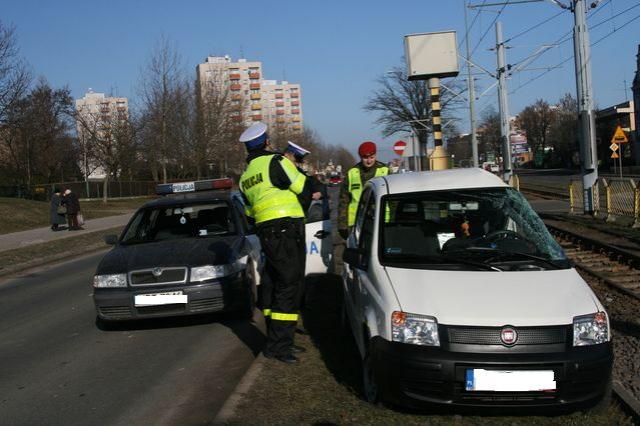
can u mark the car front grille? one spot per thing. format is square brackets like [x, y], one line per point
[206, 304]
[115, 311]
[491, 335]
[155, 276]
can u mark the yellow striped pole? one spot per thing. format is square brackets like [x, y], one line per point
[439, 159]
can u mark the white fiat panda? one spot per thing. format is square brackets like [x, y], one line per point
[458, 296]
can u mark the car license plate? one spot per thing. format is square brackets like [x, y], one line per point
[154, 299]
[184, 187]
[478, 379]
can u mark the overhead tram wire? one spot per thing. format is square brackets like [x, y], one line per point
[569, 34]
[539, 24]
[489, 27]
[571, 57]
[466, 34]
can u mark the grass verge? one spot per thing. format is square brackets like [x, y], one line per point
[40, 254]
[325, 387]
[20, 215]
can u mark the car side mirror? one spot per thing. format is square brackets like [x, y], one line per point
[111, 239]
[351, 257]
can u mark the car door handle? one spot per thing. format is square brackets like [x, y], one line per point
[322, 234]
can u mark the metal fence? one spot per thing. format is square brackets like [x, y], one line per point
[615, 199]
[91, 190]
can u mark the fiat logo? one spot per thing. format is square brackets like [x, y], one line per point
[509, 336]
[156, 272]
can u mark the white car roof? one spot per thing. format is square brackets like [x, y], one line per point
[440, 180]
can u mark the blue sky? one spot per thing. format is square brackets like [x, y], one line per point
[335, 49]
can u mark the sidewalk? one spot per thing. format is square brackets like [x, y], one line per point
[21, 239]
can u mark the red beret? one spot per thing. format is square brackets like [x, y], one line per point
[366, 148]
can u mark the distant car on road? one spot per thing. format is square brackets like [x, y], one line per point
[187, 253]
[335, 180]
[491, 167]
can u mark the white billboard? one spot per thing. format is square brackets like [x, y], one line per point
[431, 55]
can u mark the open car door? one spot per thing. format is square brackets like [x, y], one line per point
[319, 239]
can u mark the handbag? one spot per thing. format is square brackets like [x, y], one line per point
[61, 210]
[80, 219]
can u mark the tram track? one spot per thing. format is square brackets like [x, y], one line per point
[614, 275]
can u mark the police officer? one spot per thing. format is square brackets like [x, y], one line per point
[313, 189]
[351, 188]
[270, 186]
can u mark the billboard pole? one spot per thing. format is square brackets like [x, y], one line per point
[439, 159]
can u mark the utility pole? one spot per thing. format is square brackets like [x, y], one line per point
[472, 95]
[586, 113]
[503, 103]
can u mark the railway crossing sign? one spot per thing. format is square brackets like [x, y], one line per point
[619, 136]
[399, 147]
[613, 147]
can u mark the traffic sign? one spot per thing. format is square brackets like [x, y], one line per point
[399, 147]
[619, 136]
[613, 147]
[614, 155]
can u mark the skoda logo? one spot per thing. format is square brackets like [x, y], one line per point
[156, 272]
[509, 336]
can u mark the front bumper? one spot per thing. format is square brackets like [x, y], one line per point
[420, 376]
[225, 294]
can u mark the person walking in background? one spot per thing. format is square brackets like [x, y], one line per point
[57, 210]
[71, 202]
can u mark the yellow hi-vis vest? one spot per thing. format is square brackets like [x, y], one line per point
[355, 189]
[267, 202]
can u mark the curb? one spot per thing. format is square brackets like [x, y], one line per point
[49, 261]
[230, 406]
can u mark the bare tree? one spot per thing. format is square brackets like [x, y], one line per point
[536, 121]
[36, 136]
[489, 133]
[564, 130]
[14, 75]
[218, 123]
[162, 90]
[404, 106]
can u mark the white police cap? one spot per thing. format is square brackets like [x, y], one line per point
[255, 135]
[297, 150]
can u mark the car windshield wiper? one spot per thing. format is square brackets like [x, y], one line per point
[500, 253]
[445, 258]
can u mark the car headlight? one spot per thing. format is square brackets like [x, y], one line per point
[110, 281]
[590, 329]
[209, 272]
[414, 329]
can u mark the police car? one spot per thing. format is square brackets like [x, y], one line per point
[192, 251]
[458, 296]
[189, 252]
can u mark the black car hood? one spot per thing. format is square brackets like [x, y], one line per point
[183, 252]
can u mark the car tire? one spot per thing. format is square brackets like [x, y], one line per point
[605, 402]
[104, 324]
[369, 384]
[249, 305]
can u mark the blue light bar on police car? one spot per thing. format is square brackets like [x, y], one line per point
[200, 185]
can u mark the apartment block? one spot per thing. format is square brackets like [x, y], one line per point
[278, 104]
[97, 114]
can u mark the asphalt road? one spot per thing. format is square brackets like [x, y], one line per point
[58, 367]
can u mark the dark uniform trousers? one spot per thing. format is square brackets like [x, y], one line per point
[282, 287]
